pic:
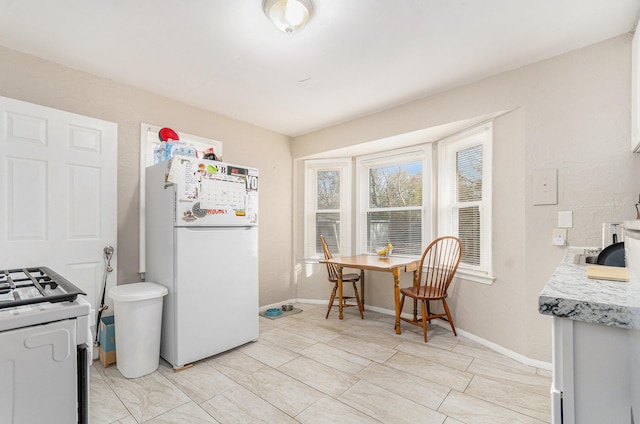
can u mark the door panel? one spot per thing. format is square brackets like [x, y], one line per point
[26, 203]
[84, 201]
[58, 193]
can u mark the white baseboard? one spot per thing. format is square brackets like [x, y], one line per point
[500, 349]
[486, 343]
[315, 301]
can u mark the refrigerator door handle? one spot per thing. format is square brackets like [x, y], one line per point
[220, 227]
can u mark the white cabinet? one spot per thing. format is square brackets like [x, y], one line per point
[591, 378]
[632, 253]
[634, 374]
[596, 341]
[635, 91]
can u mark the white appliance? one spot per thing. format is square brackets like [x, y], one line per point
[202, 245]
[45, 348]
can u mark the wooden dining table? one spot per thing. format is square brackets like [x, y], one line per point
[392, 264]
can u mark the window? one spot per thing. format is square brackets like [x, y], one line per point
[464, 180]
[327, 212]
[394, 201]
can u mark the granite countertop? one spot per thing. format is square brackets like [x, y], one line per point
[570, 294]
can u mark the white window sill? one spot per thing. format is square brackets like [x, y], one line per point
[313, 260]
[475, 276]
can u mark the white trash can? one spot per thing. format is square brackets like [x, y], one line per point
[138, 320]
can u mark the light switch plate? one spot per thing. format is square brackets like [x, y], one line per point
[565, 219]
[545, 186]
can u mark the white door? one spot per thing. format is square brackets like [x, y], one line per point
[58, 193]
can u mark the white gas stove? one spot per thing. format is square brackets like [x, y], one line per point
[45, 348]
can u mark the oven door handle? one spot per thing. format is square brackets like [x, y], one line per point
[83, 363]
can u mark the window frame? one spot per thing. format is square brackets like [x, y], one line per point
[447, 149]
[312, 167]
[390, 157]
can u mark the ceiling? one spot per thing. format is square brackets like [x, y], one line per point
[354, 58]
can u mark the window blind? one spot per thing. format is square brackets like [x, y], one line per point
[468, 193]
[328, 209]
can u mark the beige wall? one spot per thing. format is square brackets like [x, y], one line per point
[38, 81]
[571, 112]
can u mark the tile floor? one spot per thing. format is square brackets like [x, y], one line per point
[310, 370]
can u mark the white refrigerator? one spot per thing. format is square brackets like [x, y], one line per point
[202, 245]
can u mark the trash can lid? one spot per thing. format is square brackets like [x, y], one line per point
[137, 291]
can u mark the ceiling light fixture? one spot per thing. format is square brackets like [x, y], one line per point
[288, 15]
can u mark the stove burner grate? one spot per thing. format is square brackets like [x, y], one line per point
[25, 286]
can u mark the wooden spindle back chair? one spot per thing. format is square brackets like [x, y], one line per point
[438, 266]
[332, 271]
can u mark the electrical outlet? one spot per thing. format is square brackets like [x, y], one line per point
[559, 237]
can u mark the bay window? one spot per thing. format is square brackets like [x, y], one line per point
[396, 200]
